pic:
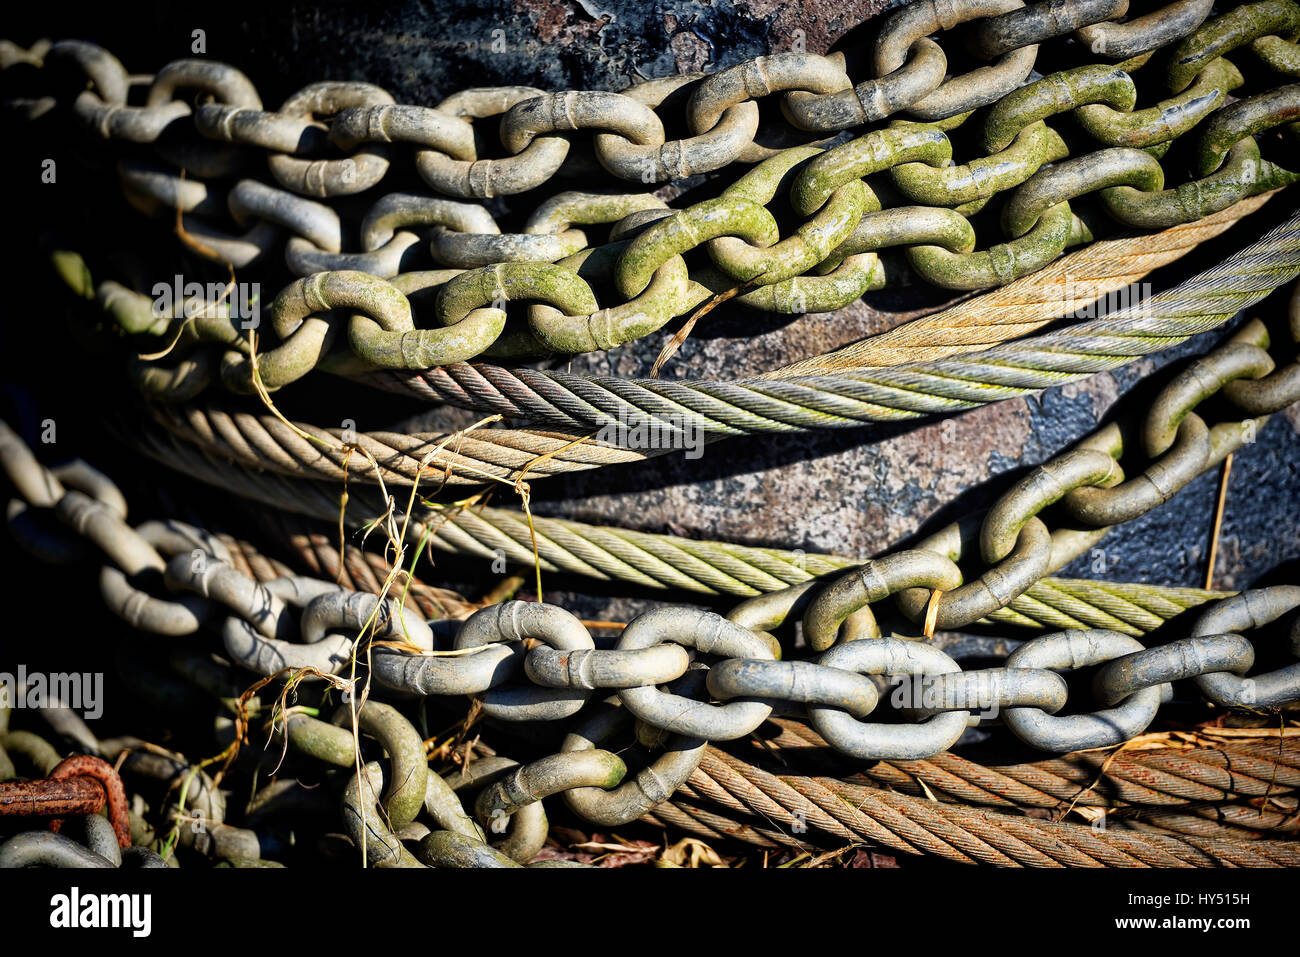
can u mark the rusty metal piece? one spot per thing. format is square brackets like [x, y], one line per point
[85, 766]
[48, 798]
[80, 784]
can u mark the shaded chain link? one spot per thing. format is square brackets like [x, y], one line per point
[686, 676]
[536, 662]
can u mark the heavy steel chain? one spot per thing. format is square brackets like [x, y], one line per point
[829, 259]
[258, 623]
[1088, 487]
[682, 676]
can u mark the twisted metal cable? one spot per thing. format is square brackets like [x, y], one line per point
[1000, 315]
[452, 458]
[697, 815]
[466, 458]
[1166, 777]
[968, 835]
[718, 407]
[1238, 789]
[651, 560]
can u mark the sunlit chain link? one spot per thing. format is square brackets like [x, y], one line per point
[355, 121]
[692, 675]
[825, 263]
[742, 240]
[748, 684]
[1090, 488]
[743, 684]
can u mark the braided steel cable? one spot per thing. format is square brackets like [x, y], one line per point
[968, 835]
[690, 811]
[1070, 848]
[992, 841]
[1233, 769]
[657, 561]
[715, 407]
[1054, 603]
[1199, 791]
[1059, 289]
[367, 112]
[1171, 406]
[1132, 608]
[457, 458]
[472, 457]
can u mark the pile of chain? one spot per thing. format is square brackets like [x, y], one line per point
[1131, 466]
[523, 663]
[331, 679]
[188, 160]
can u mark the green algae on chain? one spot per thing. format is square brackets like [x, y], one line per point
[686, 229]
[904, 226]
[981, 178]
[879, 150]
[1224, 34]
[906, 391]
[811, 242]
[836, 289]
[1054, 94]
[670, 293]
[1244, 118]
[998, 264]
[1244, 173]
[1278, 54]
[1167, 119]
[391, 345]
[1075, 177]
[794, 255]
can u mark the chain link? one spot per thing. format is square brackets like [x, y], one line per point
[531, 661]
